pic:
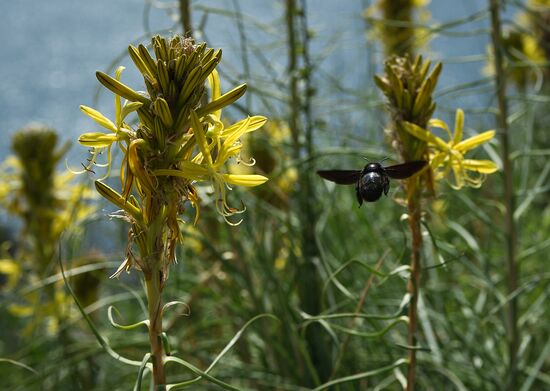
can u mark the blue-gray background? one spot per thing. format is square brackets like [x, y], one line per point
[51, 49]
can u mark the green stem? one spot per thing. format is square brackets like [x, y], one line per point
[509, 201]
[154, 304]
[413, 204]
[185, 16]
[301, 126]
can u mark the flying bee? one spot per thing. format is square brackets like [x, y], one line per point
[374, 179]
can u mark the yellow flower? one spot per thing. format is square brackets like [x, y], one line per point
[120, 131]
[447, 157]
[225, 142]
[11, 271]
[179, 139]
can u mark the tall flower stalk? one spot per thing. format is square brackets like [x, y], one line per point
[408, 85]
[301, 127]
[47, 203]
[179, 141]
[395, 23]
[509, 198]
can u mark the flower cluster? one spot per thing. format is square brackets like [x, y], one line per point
[47, 203]
[180, 140]
[447, 157]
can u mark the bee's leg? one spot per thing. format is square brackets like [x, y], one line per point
[386, 186]
[358, 194]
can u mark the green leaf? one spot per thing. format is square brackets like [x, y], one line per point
[362, 375]
[120, 326]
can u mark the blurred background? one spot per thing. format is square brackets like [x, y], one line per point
[304, 248]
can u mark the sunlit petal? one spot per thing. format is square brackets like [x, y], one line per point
[424, 135]
[255, 123]
[474, 141]
[99, 118]
[237, 132]
[188, 170]
[481, 166]
[198, 131]
[244, 180]
[97, 140]
[437, 123]
[459, 126]
[118, 104]
[215, 87]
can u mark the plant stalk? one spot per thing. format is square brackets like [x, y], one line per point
[509, 201]
[154, 304]
[301, 126]
[185, 16]
[413, 206]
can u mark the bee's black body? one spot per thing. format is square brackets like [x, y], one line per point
[373, 180]
[371, 183]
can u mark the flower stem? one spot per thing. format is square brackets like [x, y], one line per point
[154, 303]
[413, 205]
[185, 16]
[509, 201]
[301, 125]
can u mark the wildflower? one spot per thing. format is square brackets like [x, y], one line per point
[446, 157]
[10, 273]
[204, 167]
[179, 140]
[48, 203]
[120, 131]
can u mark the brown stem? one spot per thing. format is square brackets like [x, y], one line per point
[413, 205]
[509, 201]
[185, 15]
[154, 303]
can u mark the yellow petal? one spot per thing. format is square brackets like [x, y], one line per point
[459, 125]
[136, 166]
[244, 180]
[97, 140]
[481, 166]
[255, 123]
[437, 123]
[21, 310]
[458, 176]
[188, 170]
[118, 104]
[198, 131]
[12, 271]
[438, 159]
[98, 117]
[474, 141]
[424, 135]
[238, 132]
[214, 81]
[128, 108]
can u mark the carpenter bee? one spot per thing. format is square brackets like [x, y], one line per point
[372, 180]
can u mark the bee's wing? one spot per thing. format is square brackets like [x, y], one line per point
[341, 177]
[405, 170]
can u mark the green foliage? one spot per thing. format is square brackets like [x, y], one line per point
[357, 259]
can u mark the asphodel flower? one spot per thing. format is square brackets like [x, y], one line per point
[48, 203]
[179, 141]
[98, 142]
[211, 135]
[447, 157]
